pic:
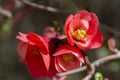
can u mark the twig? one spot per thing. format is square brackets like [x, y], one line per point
[89, 76]
[90, 68]
[95, 63]
[88, 64]
[40, 6]
[5, 12]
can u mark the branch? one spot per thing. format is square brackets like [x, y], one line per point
[5, 12]
[89, 76]
[90, 68]
[40, 6]
[95, 63]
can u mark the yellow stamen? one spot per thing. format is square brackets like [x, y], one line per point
[35, 51]
[68, 57]
[79, 34]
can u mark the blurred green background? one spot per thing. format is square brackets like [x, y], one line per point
[26, 19]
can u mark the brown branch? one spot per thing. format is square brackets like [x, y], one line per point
[90, 68]
[88, 64]
[89, 76]
[40, 6]
[95, 63]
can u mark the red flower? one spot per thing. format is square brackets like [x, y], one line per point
[67, 58]
[82, 29]
[33, 50]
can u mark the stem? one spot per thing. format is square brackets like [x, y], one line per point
[88, 64]
[42, 7]
[90, 69]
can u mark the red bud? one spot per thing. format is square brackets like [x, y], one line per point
[111, 44]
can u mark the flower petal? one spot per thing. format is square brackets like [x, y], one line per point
[46, 59]
[22, 37]
[22, 49]
[35, 63]
[83, 14]
[52, 71]
[39, 41]
[78, 24]
[68, 20]
[97, 40]
[93, 24]
[70, 39]
[58, 68]
[83, 46]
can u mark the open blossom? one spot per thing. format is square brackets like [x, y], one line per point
[33, 50]
[67, 58]
[82, 30]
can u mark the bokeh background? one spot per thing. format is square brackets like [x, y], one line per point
[16, 16]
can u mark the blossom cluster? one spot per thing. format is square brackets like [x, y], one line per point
[47, 54]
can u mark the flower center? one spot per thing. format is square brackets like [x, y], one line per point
[68, 57]
[35, 51]
[79, 34]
